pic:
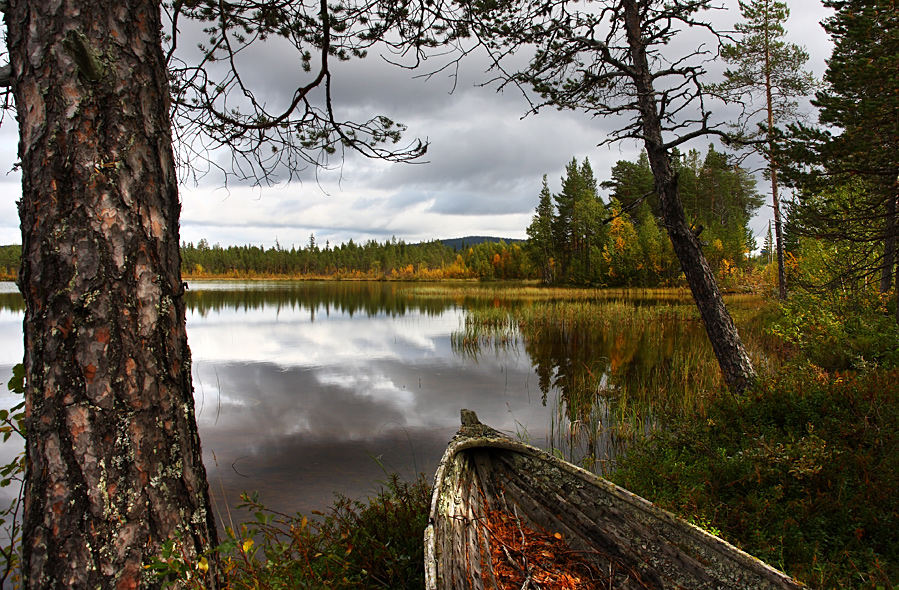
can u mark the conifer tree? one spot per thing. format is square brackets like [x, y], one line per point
[565, 221]
[768, 250]
[770, 69]
[858, 103]
[632, 181]
[577, 214]
[540, 234]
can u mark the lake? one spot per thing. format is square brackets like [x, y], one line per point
[306, 389]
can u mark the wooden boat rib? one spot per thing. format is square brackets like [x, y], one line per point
[635, 543]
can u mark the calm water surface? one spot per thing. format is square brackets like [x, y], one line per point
[305, 389]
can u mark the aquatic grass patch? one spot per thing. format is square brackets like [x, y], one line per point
[635, 358]
[803, 472]
[491, 327]
[613, 369]
[521, 290]
[597, 416]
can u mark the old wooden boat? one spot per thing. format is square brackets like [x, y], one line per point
[627, 541]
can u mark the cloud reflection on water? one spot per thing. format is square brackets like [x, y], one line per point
[302, 392]
[298, 403]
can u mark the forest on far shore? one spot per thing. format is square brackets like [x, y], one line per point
[575, 237]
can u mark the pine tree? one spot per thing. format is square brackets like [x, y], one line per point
[578, 211]
[540, 234]
[633, 181]
[768, 248]
[859, 159]
[565, 221]
[767, 67]
[588, 212]
[862, 97]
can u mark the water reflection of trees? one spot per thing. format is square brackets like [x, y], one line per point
[12, 302]
[349, 298]
[607, 368]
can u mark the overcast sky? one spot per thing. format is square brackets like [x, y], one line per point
[481, 176]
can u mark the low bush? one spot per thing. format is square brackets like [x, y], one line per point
[355, 544]
[839, 331]
[801, 472]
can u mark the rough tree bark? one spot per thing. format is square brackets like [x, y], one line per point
[113, 453]
[733, 359]
[889, 247]
[775, 197]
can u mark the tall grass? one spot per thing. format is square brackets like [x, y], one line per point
[613, 364]
[493, 328]
[520, 291]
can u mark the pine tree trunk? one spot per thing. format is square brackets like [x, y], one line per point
[889, 247]
[772, 168]
[735, 364]
[114, 465]
[778, 238]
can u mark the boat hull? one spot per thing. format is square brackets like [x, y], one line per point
[625, 538]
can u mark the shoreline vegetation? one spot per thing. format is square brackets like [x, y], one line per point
[801, 471]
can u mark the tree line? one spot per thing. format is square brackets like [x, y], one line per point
[575, 237]
[392, 259]
[10, 259]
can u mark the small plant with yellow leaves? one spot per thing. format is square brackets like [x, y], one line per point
[175, 567]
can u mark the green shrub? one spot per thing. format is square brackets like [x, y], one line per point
[355, 544]
[839, 332]
[801, 472]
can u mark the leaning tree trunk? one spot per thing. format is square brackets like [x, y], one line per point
[114, 466]
[733, 359]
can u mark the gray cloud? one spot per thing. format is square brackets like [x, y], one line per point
[483, 167]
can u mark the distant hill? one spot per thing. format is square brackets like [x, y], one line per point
[469, 241]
